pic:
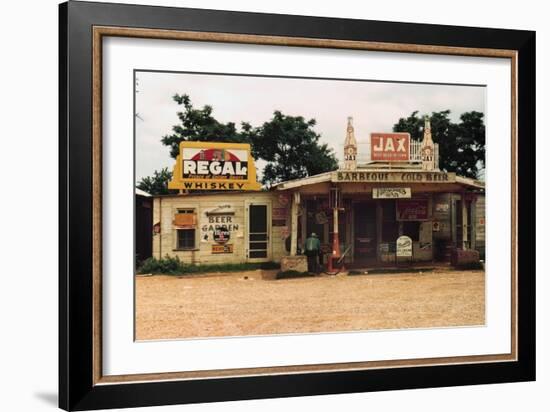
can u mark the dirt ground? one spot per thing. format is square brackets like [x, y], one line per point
[170, 307]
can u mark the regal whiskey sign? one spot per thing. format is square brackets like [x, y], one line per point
[214, 166]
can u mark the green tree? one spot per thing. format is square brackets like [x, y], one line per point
[291, 149]
[461, 145]
[200, 125]
[157, 184]
[288, 144]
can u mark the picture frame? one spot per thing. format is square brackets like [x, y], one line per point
[83, 26]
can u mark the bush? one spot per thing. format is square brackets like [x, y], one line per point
[174, 266]
[168, 265]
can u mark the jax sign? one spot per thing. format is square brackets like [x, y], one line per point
[390, 147]
[214, 166]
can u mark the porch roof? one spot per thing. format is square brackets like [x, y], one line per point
[378, 176]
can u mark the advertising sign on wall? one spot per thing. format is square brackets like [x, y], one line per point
[390, 147]
[412, 209]
[214, 166]
[403, 246]
[218, 224]
[222, 234]
[222, 249]
[391, 192]
[393, 177]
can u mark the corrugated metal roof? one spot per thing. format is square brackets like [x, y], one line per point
[142, 193]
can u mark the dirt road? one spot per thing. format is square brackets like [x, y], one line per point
[230, 305]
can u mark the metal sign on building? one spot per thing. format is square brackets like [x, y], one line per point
[403, 246]
[390, 147]
[412, 209]
[391, 192]
[392, 177]
[216, 249]
[214, 166]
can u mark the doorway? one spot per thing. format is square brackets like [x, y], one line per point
[259, 245]
[365, 232]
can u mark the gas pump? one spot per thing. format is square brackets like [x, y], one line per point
[335, 203]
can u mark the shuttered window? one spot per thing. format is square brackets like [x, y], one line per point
[185, 222]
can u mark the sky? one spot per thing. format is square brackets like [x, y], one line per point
[374, 106]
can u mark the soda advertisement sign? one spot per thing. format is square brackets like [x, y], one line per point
[222, 234]
[214, 166]
[216, 249]
[403, 246]
[390, 147]
[412, 209]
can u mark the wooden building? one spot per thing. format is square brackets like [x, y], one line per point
[143, 205]
[358, 211]
[215, 228]
[437, 210]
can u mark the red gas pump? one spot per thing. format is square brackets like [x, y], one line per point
[335, 202]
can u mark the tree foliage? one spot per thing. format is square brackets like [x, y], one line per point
[461, 145]
[288, 144]
[200, 125]
[157, 184]
[291, 149]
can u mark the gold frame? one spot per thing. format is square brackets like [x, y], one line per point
[101, 31]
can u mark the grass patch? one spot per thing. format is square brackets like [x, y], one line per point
[174, 266]
[292, 274]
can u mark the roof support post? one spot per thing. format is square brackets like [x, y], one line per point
[464, 220]
[294, 223]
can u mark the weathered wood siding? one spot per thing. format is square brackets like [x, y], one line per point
[442, 215]
[165, 242]
[480, 225]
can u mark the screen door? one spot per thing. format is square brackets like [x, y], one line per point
[258, 232]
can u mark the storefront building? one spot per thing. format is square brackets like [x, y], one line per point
[395, 191]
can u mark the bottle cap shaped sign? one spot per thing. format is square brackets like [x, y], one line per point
[222, 234]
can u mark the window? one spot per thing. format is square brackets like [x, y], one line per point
[185, 222]
[186, 239]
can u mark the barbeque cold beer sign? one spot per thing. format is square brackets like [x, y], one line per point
[214, 166]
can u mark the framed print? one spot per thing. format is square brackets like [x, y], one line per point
[256, 205]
